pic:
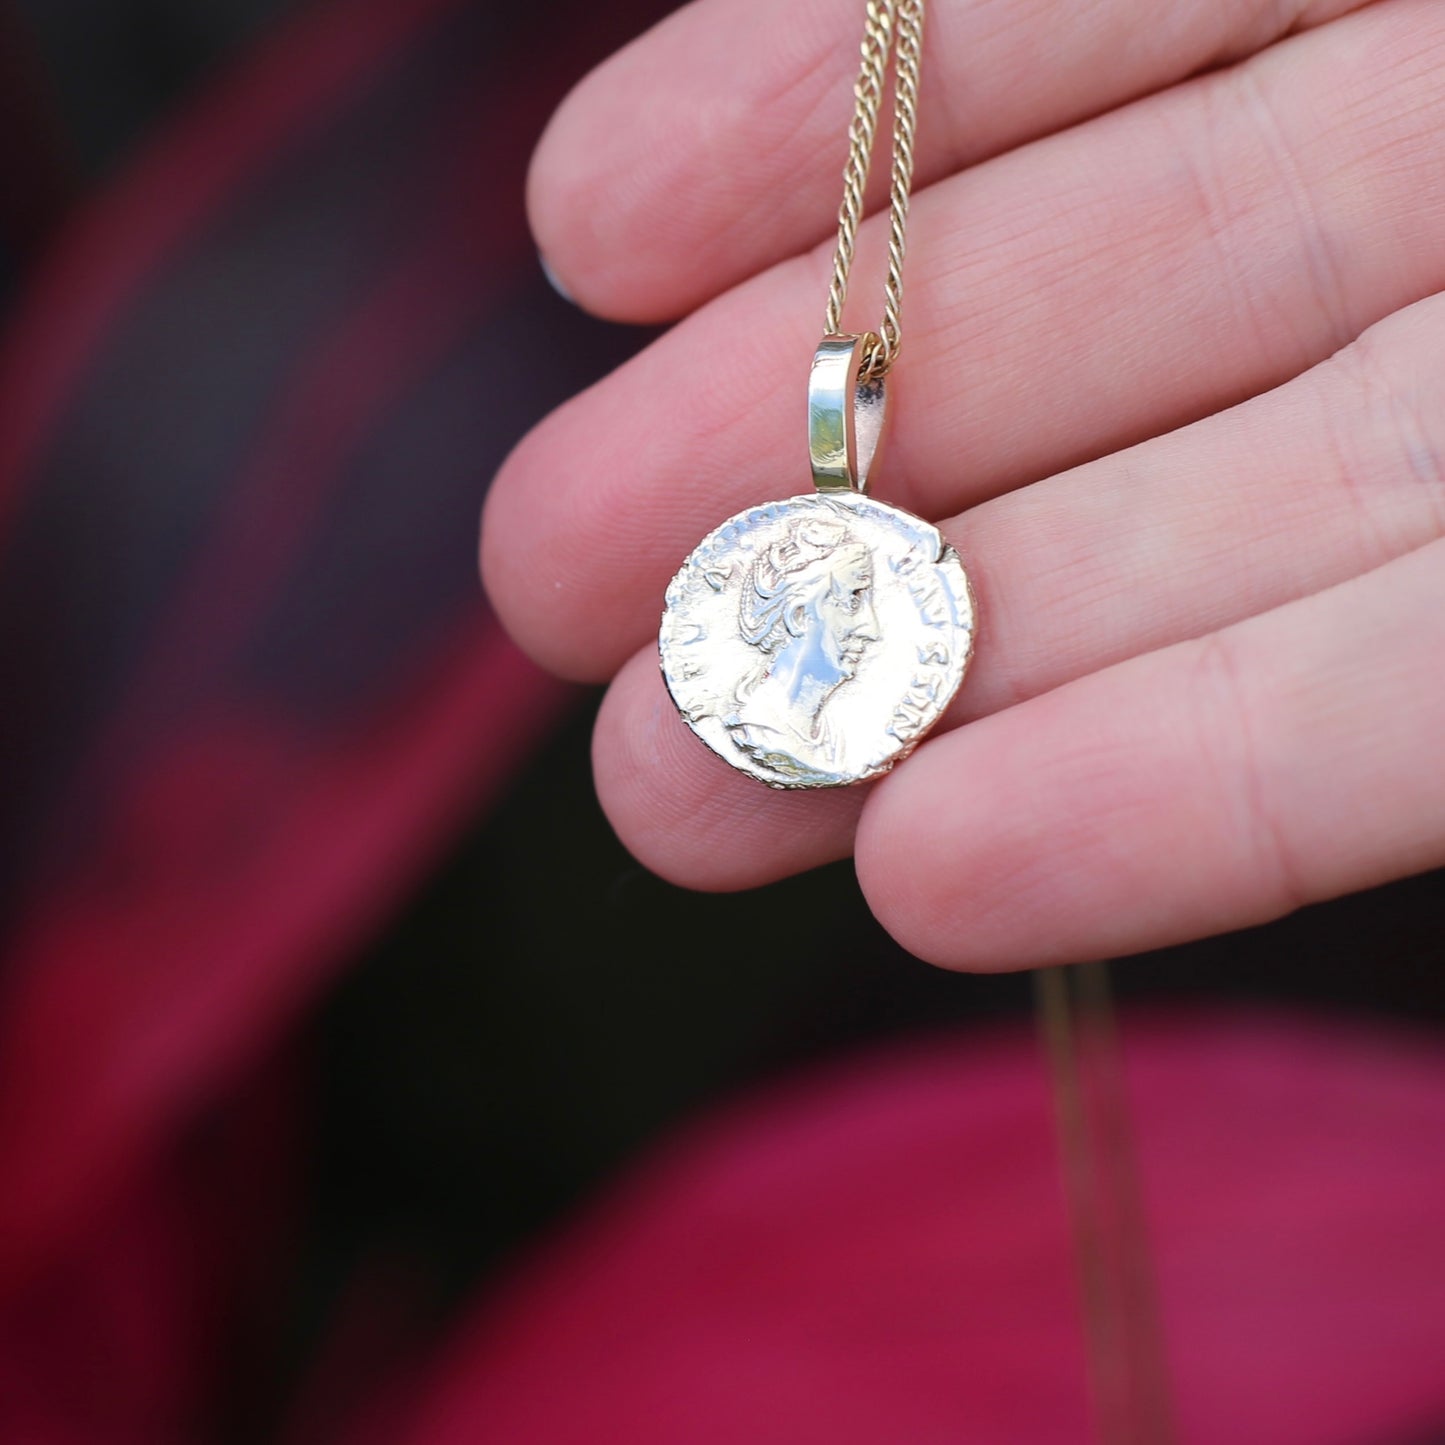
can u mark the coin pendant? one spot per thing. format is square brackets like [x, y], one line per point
[813, 642]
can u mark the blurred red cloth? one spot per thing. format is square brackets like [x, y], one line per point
[880, 1252]
[253, 691]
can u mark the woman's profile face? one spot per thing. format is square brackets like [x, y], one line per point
[846, 624]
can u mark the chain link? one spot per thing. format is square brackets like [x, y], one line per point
[894, 29]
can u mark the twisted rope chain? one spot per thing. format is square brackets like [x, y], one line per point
[894, 29]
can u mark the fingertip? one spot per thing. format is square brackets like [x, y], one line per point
[649, 782]
[1085, 823]
[686, 814]
[903, 857]
[589, 211]
[963, 862]
[561, 213]
[598, 505]
[532, 585]
[672, 171]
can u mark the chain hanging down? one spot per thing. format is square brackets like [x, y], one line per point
[812, 642]
[894, 30]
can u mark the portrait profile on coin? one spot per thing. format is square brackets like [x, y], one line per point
[812, 642]
[807, 607]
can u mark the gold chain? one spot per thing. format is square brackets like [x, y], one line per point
[892, 26]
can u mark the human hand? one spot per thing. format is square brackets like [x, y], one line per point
[1210, 677]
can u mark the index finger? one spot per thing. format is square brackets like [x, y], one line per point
[713, 146]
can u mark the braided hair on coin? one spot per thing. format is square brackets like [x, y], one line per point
[786, 576]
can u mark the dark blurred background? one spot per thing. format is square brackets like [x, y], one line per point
[115, 69]
[530, 1007]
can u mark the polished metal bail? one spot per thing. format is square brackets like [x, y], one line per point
[845, 420]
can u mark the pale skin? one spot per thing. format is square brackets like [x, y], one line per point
[1173, 383]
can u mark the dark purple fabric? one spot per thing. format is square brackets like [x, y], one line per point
[881, 1251]
[249, 407]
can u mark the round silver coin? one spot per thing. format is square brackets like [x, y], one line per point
[812, 642]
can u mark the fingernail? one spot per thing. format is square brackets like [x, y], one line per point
[552, 279]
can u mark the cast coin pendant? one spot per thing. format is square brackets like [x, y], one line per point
[813, 642]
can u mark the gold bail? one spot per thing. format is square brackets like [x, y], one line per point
[845, 417]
